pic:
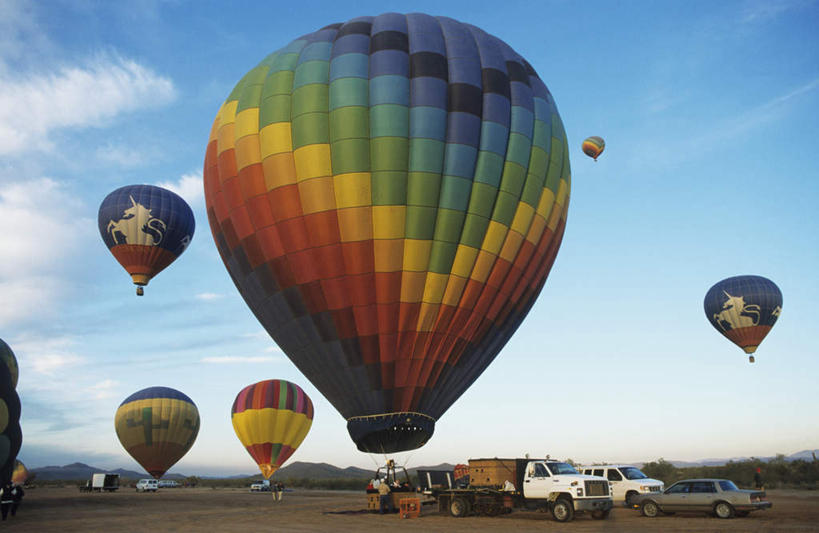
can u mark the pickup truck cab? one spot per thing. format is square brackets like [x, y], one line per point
[626, 481]
[566, 490]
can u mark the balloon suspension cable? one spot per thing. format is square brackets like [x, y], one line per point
[408, 458]
[374, 460]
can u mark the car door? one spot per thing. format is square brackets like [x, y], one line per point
[618, 487]
[701, 496]
[538, 482]
[675, 498]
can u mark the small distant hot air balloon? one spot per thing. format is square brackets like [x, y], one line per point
[157, 426]
[7, 356]
[594, 146]
[744, 309]
[146, 228]
[271, 419]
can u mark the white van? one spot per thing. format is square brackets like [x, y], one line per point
[147, 485]
[626, 481]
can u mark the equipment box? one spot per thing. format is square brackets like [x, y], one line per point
[492, 472]
[410, 507]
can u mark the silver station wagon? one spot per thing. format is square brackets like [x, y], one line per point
[718, 496]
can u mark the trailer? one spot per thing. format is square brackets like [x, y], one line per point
[100, 482]
[498, 486]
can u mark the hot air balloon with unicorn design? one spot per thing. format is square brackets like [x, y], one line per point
[146, 228]
[744, 309]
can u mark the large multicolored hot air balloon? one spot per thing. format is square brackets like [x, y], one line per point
[271, 419]
[146, 228]
[744, 309]
[389, 195]
[11, 437]
[594, 146]
[157, 426]
[7, 357]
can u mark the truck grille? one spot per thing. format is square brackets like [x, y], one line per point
[655, 488]
[597, 488]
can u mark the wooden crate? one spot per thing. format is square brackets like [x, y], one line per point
[410, 507]
[491, 472]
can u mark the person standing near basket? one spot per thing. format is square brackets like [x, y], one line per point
[384, 498]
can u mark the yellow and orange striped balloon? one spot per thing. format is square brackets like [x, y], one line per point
[271, 419]
[594, 146]
[157, 426]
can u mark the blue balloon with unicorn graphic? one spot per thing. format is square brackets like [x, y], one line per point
[744, 309]
[146, 228]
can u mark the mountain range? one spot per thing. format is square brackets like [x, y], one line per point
[304, 470]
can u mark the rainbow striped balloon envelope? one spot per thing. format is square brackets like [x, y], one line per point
[389, 195]
[593, 146]
[271, 419]
[157, 426]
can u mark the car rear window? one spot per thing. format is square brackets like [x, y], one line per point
[727, 485]
[702, 486]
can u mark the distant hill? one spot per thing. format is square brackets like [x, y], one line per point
[76, 471]
[304, 470]
[804, 455]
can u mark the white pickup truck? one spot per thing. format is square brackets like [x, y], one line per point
[498, 485]
[627, 481]
[261, 486]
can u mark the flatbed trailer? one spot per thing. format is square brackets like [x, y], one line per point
[499, 485]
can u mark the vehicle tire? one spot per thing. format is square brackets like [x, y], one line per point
[742, 514]
[724, 510]
[563, 510]
[459, 507]
[630, 497]
[601, 515]
[650, 509]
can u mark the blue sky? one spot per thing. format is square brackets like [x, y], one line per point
[709, 111]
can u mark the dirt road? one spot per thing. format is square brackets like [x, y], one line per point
[232, 510]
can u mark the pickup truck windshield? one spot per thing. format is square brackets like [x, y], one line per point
[561, 468]
[632, 473]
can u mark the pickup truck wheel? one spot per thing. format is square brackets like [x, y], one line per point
[562, 510]
[724, 510]
[650, 509]
[459, 507]
[630, 498]
[601, 515]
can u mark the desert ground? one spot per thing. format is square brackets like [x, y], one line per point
[232, 510]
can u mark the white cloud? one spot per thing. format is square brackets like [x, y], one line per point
[43, 227]
[208, 296]
[121, 155]
[19, 32]
[656, 152]
[47, 356]
[107, 388]
[239, 359]
[761, 11]
[34, 104]
[189, 187]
